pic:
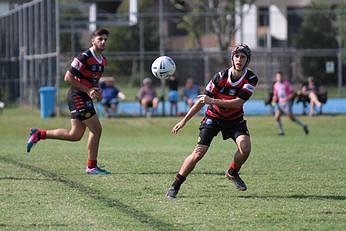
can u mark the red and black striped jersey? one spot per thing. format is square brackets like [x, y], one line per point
[88, 68]
[221, 86]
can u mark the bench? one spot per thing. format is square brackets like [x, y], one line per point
[300, 98]
[305, 100]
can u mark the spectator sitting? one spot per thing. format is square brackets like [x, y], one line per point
[313, 90]
[110, 96]
[173, 95]
[147, 97]
[190, 92]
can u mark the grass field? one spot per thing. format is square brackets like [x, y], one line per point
[296, 182]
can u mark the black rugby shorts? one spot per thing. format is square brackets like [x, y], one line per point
[80, 104]
[210, 127]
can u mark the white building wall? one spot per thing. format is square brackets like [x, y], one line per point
[247, 32]
[4, 7]
[277, 23]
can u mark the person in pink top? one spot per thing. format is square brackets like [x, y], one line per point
[283, 95]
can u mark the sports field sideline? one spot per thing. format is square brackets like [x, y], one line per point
[253, 107]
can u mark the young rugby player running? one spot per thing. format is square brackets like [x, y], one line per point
[83, 75]
[283, 99]
[225, 95]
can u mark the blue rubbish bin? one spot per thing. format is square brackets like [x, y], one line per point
[47, 101]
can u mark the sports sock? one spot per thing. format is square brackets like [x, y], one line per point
[92, 163]
[42, 135]
[179, 179]
[233, 168]
[281, 129]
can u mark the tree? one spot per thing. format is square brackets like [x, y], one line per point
[318, 23]
[341, 24]
[222, 14]
[218, 16]
[70, 41]
[318, 31]
[127, 39]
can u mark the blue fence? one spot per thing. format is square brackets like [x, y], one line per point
[252, 107]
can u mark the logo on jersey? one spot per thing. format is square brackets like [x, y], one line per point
[93, 67]
[89, 104]
[96, 68]
[228, 91]
[76, 64]
[209, 121]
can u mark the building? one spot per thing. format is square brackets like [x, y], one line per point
[271, 23]
[4, 6]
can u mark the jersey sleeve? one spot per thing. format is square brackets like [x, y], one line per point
[212, 86]
[78, 65]
[248, 88]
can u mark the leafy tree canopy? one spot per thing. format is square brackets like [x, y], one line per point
[318, 30]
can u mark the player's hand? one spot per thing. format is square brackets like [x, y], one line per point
[178, 126]
[205, 99]
[95, 93]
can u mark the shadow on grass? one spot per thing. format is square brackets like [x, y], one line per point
[23, 178]
[174, 173]
[37, 226]
[298, 196]
[92, 193]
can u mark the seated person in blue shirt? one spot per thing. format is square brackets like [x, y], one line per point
[173, 95]
[190, 92]
[110, 96]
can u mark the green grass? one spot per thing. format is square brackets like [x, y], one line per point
[295, 182]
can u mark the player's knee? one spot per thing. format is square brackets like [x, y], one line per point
[199, 152]
[292, 118]
[95, 131]
[76, 137]
[245, 148]
[277, 116]
[197, 156]
[245, 151]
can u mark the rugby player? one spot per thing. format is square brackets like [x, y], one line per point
[83, 76]
[225, 96]
[283, 99]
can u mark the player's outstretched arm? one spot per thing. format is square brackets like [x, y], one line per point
[232, 103]
[193, 110]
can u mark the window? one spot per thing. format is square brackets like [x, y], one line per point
[263, 16]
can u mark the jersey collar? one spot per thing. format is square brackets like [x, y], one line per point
[239, 80]
[98, 59]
